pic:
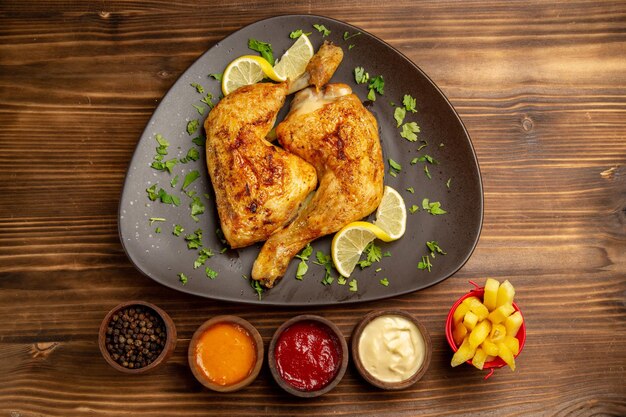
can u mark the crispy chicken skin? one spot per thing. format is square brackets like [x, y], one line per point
[334, 132]
[258, 186]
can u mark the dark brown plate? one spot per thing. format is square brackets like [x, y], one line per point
[162, 256]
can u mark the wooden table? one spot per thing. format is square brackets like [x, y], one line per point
[541, 87]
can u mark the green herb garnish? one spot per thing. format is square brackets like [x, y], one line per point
[174, 181]
[353, 285]
[373, 254]
[157, 230]
[198, 88]
[197, 207]
[208, 100]
[178, 229]
[371, 95]
[211, 274]
[425, 144]
[346, 35]
[384, 282]
[399, 113]
[192, 126]
[433, 208]
[411, 190]
[394, 167]
[199, 109]
[409, 103]
[322, 29]
[264, 48]
[156, 219]
[413, 209]
[203, 255]
[183, 278]
[433, 246]
[256, 286]
[327, 263]
[425, 263]
[194, 240]
[303, 267]
[360, 76]
[297, 33]
[162, 196]
[217, 76]
[409, 131]
[200, 141]
[341, 280]
[427, 172]
[448, 183]
[189, 178]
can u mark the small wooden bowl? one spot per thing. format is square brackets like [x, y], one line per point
[258, 345]
[276, 373]
[168, 349]
[356, 336]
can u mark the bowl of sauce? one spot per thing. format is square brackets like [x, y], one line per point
[225, 353]
[308, 356]
[391, 349]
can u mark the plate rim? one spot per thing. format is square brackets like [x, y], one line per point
[277, 303]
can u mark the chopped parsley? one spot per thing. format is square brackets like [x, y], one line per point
[178, 229]
[192, 126]
[414, 160]
[341, 280]
[297, 33]
[194, 240]
[371, 95]
[220, 235]
[197, 207]
[199, 141]
[162, 196]
[377, 84]
[303, 267]
[350, 46]
[217, 76]
[208, 100]
[327, 263]
[156, 219]
[427, 158]
[322, 29]
[409, 103]
[399, 113]
[378, 270]
[199, 109]
[433, 246]
[422, 146]
[192, 155]
[157, 230]
[427, 172]
[360, 76]
[413, 209]
[411, 190]
[264, 48]
[164, 166]
[346, 35]
[394, 167]
[384, 282]
[425, 263]
[409, 131]
[211, 274]
[373, 254]
[433, 208]
[198, 88]
[448, 183]
[174, 181]
[203, 255]
[256, 286]
[183, 278]
[189, 178]
[353, 285]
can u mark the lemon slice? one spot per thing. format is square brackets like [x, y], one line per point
[349, 243]
[391, 214]
[294, 61]
[247, 70]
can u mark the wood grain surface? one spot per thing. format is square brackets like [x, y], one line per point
[541, 87]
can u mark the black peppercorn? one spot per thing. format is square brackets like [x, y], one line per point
[138, 337]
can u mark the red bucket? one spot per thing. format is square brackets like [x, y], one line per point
[497, 362]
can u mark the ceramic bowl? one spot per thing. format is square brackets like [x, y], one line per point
[168, 349]
[258, 345]
[356, 357]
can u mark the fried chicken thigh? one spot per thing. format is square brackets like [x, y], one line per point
[331, 130]
[258, 186]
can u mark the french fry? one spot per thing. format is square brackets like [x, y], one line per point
[479, 309]
[479, 358]
[480, 333]
[506, 293]
[489, 347]
[470, 320]
[491, 293]
[459, 333]
[507, 356]
[513, 323]
[498, 333]
[465, 353]
[500, 314]
[512, 343]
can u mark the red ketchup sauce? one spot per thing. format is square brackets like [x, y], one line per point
[308, 355]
